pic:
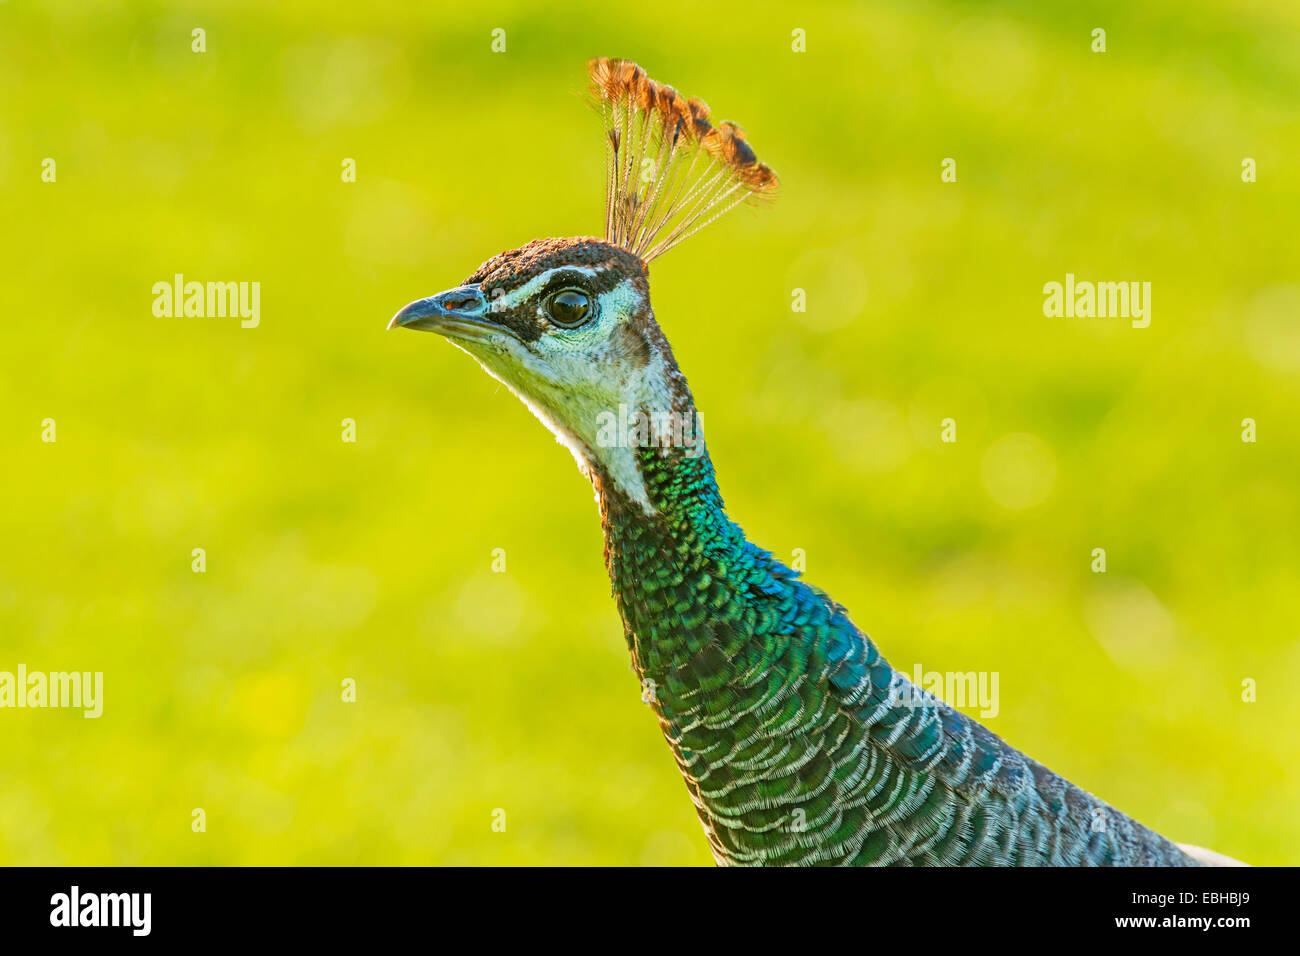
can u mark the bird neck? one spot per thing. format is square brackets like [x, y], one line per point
[668, 563]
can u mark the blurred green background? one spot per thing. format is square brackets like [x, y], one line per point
[477, 690]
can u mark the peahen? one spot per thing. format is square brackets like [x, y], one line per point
[798, 742]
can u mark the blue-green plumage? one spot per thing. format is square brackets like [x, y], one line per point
[798, 742]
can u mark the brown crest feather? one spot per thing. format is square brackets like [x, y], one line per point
[669, 171]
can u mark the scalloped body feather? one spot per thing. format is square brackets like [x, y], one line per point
[799, 743]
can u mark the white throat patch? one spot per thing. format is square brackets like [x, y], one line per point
[575, 381]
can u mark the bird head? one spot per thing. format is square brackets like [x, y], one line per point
[566, 324]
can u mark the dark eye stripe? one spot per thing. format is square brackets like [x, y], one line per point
[591, 285]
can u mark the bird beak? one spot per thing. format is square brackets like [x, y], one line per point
[457, 313]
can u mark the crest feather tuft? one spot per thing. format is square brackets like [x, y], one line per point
[669, 171]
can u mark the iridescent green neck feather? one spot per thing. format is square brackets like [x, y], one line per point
[797, 741]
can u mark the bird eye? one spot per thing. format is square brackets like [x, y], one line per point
[569, 308]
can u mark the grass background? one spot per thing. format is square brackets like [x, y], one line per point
[371, 560]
